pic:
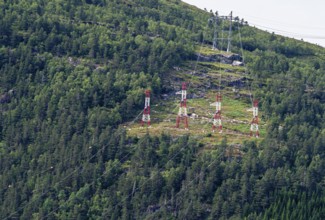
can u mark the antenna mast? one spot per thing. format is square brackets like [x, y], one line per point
[182, 112]
[146, 110]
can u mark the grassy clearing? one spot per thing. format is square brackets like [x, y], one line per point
[236, 121]
[236, 109]
[207, 50]
[222, 66]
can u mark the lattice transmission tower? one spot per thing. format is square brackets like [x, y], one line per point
[214, 21]
[182, 112]
[217, 123]
[146, 110]
[230, 32]
[254, 124]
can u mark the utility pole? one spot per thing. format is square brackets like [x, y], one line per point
[146, 110]
[230, 30]
[217, 123]
[254, 123]
[182, 112]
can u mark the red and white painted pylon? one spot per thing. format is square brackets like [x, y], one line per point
[254, 123]
[182, 112]
[217, 123]
[146, 110]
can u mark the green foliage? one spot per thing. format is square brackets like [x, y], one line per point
[71, 72]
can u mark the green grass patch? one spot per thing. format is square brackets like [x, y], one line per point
[222, 66]
[207, 50]
[236, 110]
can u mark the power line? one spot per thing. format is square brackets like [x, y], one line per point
[185, 187]
[294, 34]
[282, 23]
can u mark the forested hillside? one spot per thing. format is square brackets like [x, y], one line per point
[72, 72]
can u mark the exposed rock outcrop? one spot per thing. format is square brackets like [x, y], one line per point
[227, 59]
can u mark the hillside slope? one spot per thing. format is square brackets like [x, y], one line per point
[72, 81]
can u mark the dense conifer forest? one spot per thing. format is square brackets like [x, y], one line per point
[71, 72]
